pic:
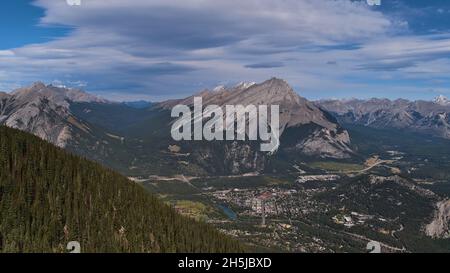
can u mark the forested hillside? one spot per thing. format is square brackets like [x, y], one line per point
[49, 197]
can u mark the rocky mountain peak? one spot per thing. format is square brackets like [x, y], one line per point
[244, 85]
[277, 85]
[57, 95]
[219, 88]
[273, 91]
[295, 112]
[442, 100]
[278, 82]
[44, 110]
[38, 85]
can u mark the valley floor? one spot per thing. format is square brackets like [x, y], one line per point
[320, 206]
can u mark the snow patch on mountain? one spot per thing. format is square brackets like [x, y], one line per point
[442, 100]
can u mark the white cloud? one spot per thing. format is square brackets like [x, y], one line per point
[167, 47]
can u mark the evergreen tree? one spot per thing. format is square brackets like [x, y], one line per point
[49, 197]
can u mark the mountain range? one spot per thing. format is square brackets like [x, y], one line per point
[115, 133]
[127, 136]
[427, 117]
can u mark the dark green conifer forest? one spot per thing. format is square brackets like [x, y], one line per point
[49, 197]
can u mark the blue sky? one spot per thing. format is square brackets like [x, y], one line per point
[20, 25]
[161, 49]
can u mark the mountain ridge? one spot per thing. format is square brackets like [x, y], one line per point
[329, 141]
[430, 117]
[44, 111]
[56, 94]
[102, 130]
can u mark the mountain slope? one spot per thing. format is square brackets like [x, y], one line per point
[419, 116]
[131, 139]
[295, 110]
[43, 110]
[146, 133]
[46, 111]
[49, 197]
[324, 136]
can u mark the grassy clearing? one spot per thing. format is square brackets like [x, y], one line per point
[336, 166]
[193, 209]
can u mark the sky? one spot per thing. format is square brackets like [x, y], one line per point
[164, 49]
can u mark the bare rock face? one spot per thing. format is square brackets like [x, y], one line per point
[328, 140]
[327, 144]
[431, 117]
[241, 158]
[43, 110]
[229, 158]
[439, 227]
[42, 118]
[4, 98]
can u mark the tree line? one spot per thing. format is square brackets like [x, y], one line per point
[49, 197]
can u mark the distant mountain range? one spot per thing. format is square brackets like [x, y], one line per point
[126, 136]
[139, 104]
[119, 133]
[428, 117]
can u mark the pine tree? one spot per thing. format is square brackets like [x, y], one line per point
[49, 197]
